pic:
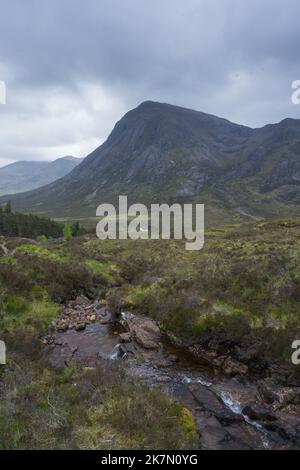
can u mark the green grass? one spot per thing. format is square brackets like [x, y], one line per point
[242, 288]
[76, 408]
[105, 270]
[37, 250]
[20, 313]
[72, 408]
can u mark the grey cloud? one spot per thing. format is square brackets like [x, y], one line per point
[232, 58]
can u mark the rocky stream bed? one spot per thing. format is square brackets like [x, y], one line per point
[232, 408]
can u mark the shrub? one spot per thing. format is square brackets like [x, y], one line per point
[42, 408]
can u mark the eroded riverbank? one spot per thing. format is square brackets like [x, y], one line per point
[230, 412]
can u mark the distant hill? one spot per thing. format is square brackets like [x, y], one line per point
[27, 175]
[163, 153]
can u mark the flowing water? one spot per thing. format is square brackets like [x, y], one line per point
[216, 402]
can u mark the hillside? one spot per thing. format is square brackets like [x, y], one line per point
[153, 346]
[24, 176]
[163, 153]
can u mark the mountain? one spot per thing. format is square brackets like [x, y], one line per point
[27, 175]
[163, 153]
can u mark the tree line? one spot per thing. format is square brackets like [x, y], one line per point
[15, 224]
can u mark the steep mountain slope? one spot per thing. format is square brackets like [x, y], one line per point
[163, 153]
[27, 175]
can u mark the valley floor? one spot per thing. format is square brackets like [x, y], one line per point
[233, 309]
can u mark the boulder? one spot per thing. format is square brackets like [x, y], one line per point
[259, 413]
[150, 326]
[209, 401]
[145, 332]
[146, 340]
[267, 393]
[125, 337]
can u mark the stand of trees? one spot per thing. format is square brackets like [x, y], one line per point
[14, 224]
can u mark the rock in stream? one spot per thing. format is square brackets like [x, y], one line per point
[230, 412]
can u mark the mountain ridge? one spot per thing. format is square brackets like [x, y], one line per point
[164, 153]
[26, 175]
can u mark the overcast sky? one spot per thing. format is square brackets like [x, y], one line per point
[74, 67]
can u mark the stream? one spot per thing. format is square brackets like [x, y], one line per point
[216, 402]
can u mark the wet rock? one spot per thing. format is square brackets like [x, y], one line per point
[216, 436]
[125, 337]
[119, 352]
[80, 311]
[247, 355]
[62, 327]
[163, 363]
[213, 434]
[287, 424]
[80, 326]
[104, 321]
[206, 398]
[144, 331]
[221, 425]
[259, 413]
[232, 367]
[227, 364]
[48, 340]
[67, 311]
[266, 393]
[211, 402]
[280, 373]
[132, 348]
[145, 340]
[285, 396]
[287, 427]
[172, 358]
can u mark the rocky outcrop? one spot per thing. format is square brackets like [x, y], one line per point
[225, 363]
[259, 413]
[153, 141]
[142, 330]
[274, 394]
[232, 409]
